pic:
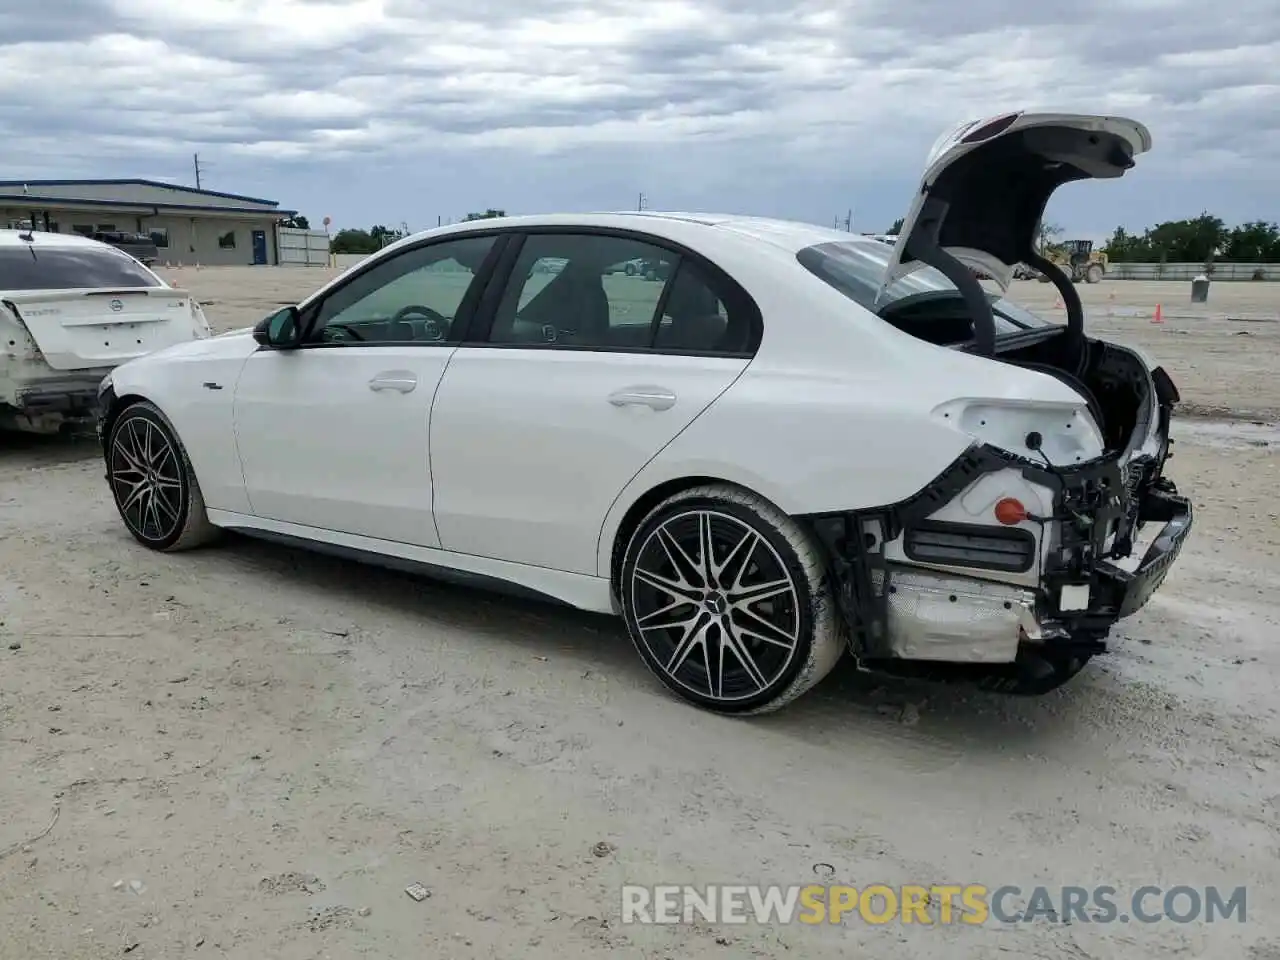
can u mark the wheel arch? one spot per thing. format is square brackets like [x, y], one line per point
[640, 507]
[117, 405]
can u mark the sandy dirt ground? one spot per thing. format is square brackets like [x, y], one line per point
[251, 751]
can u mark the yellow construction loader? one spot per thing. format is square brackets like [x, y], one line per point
[1079, 260]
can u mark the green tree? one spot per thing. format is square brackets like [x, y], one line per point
[489, 214]
[1253, 242]
[1201, 239]
[897, 227]
[298, 223]
[364, 241]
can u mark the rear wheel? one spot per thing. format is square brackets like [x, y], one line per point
[727, 601]
[151, 479]
[1095, 273]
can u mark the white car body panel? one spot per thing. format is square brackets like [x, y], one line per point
[291, 407]
[583, 592]
[91, 329]
[174, 381]
[574, 427]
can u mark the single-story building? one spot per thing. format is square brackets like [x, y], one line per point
[190, 226]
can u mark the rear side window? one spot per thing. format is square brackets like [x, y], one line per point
[49, 268]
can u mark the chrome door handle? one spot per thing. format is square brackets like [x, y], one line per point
[402, 381]
[656, 398]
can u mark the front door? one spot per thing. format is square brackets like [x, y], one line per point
[334, 434]
[585, 375]
[259, 247]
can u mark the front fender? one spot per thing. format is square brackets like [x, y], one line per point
[196, 392]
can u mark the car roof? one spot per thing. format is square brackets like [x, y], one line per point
[789, 235]
[14, 238]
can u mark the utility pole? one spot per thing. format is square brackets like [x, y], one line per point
[642, 203]
[848, 222]
[195, 159]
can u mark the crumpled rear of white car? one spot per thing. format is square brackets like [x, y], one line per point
[72, 309]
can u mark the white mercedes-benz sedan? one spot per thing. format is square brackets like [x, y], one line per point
[799, 443]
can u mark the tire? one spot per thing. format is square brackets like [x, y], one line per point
[172, 516]
[695, 657]
[630, 269]
[1095, 273]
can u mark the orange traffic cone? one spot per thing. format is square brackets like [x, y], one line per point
[1159, 314]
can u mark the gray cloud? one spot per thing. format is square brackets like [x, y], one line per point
[696, 95]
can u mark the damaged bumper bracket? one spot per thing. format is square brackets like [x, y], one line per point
[1125, 592]
[902, 617]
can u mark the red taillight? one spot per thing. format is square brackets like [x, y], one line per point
[1010, 511]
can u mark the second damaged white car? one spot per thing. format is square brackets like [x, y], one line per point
[71, 309]
[800, 444]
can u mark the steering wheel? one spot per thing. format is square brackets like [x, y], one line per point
[437, 325]
[347, 329]
[421, 311]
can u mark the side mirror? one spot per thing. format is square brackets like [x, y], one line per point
[280, 331]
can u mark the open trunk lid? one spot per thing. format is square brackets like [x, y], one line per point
[93, 328]
[986, 185]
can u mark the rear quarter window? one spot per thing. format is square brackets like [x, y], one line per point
[51, 268]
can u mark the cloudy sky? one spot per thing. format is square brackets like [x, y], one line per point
[412, 110]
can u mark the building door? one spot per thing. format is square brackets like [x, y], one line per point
[259, 246]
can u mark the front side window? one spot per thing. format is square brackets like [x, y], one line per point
[598, 292]
[415, 296]
[37, 267]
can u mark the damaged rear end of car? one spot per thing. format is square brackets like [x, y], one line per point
[71, 310]
[1012, 566]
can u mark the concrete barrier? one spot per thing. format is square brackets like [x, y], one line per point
[1189, 271]
[345, 260]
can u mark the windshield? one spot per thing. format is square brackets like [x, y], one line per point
[857, 266]
[37, 267]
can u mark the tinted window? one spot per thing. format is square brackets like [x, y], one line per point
[413, 296]
[605, 292]
[39, 267]
[857, 267]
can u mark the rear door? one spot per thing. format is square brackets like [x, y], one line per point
[92, 307]
[579, 377]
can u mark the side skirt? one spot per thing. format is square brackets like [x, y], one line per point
[500, 576]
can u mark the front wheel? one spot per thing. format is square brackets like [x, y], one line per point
[151, 479]
[728, 601]
[1095, 273]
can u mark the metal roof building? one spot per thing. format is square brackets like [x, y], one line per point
[189, 225]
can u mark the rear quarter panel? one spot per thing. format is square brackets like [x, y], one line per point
[807, 443]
